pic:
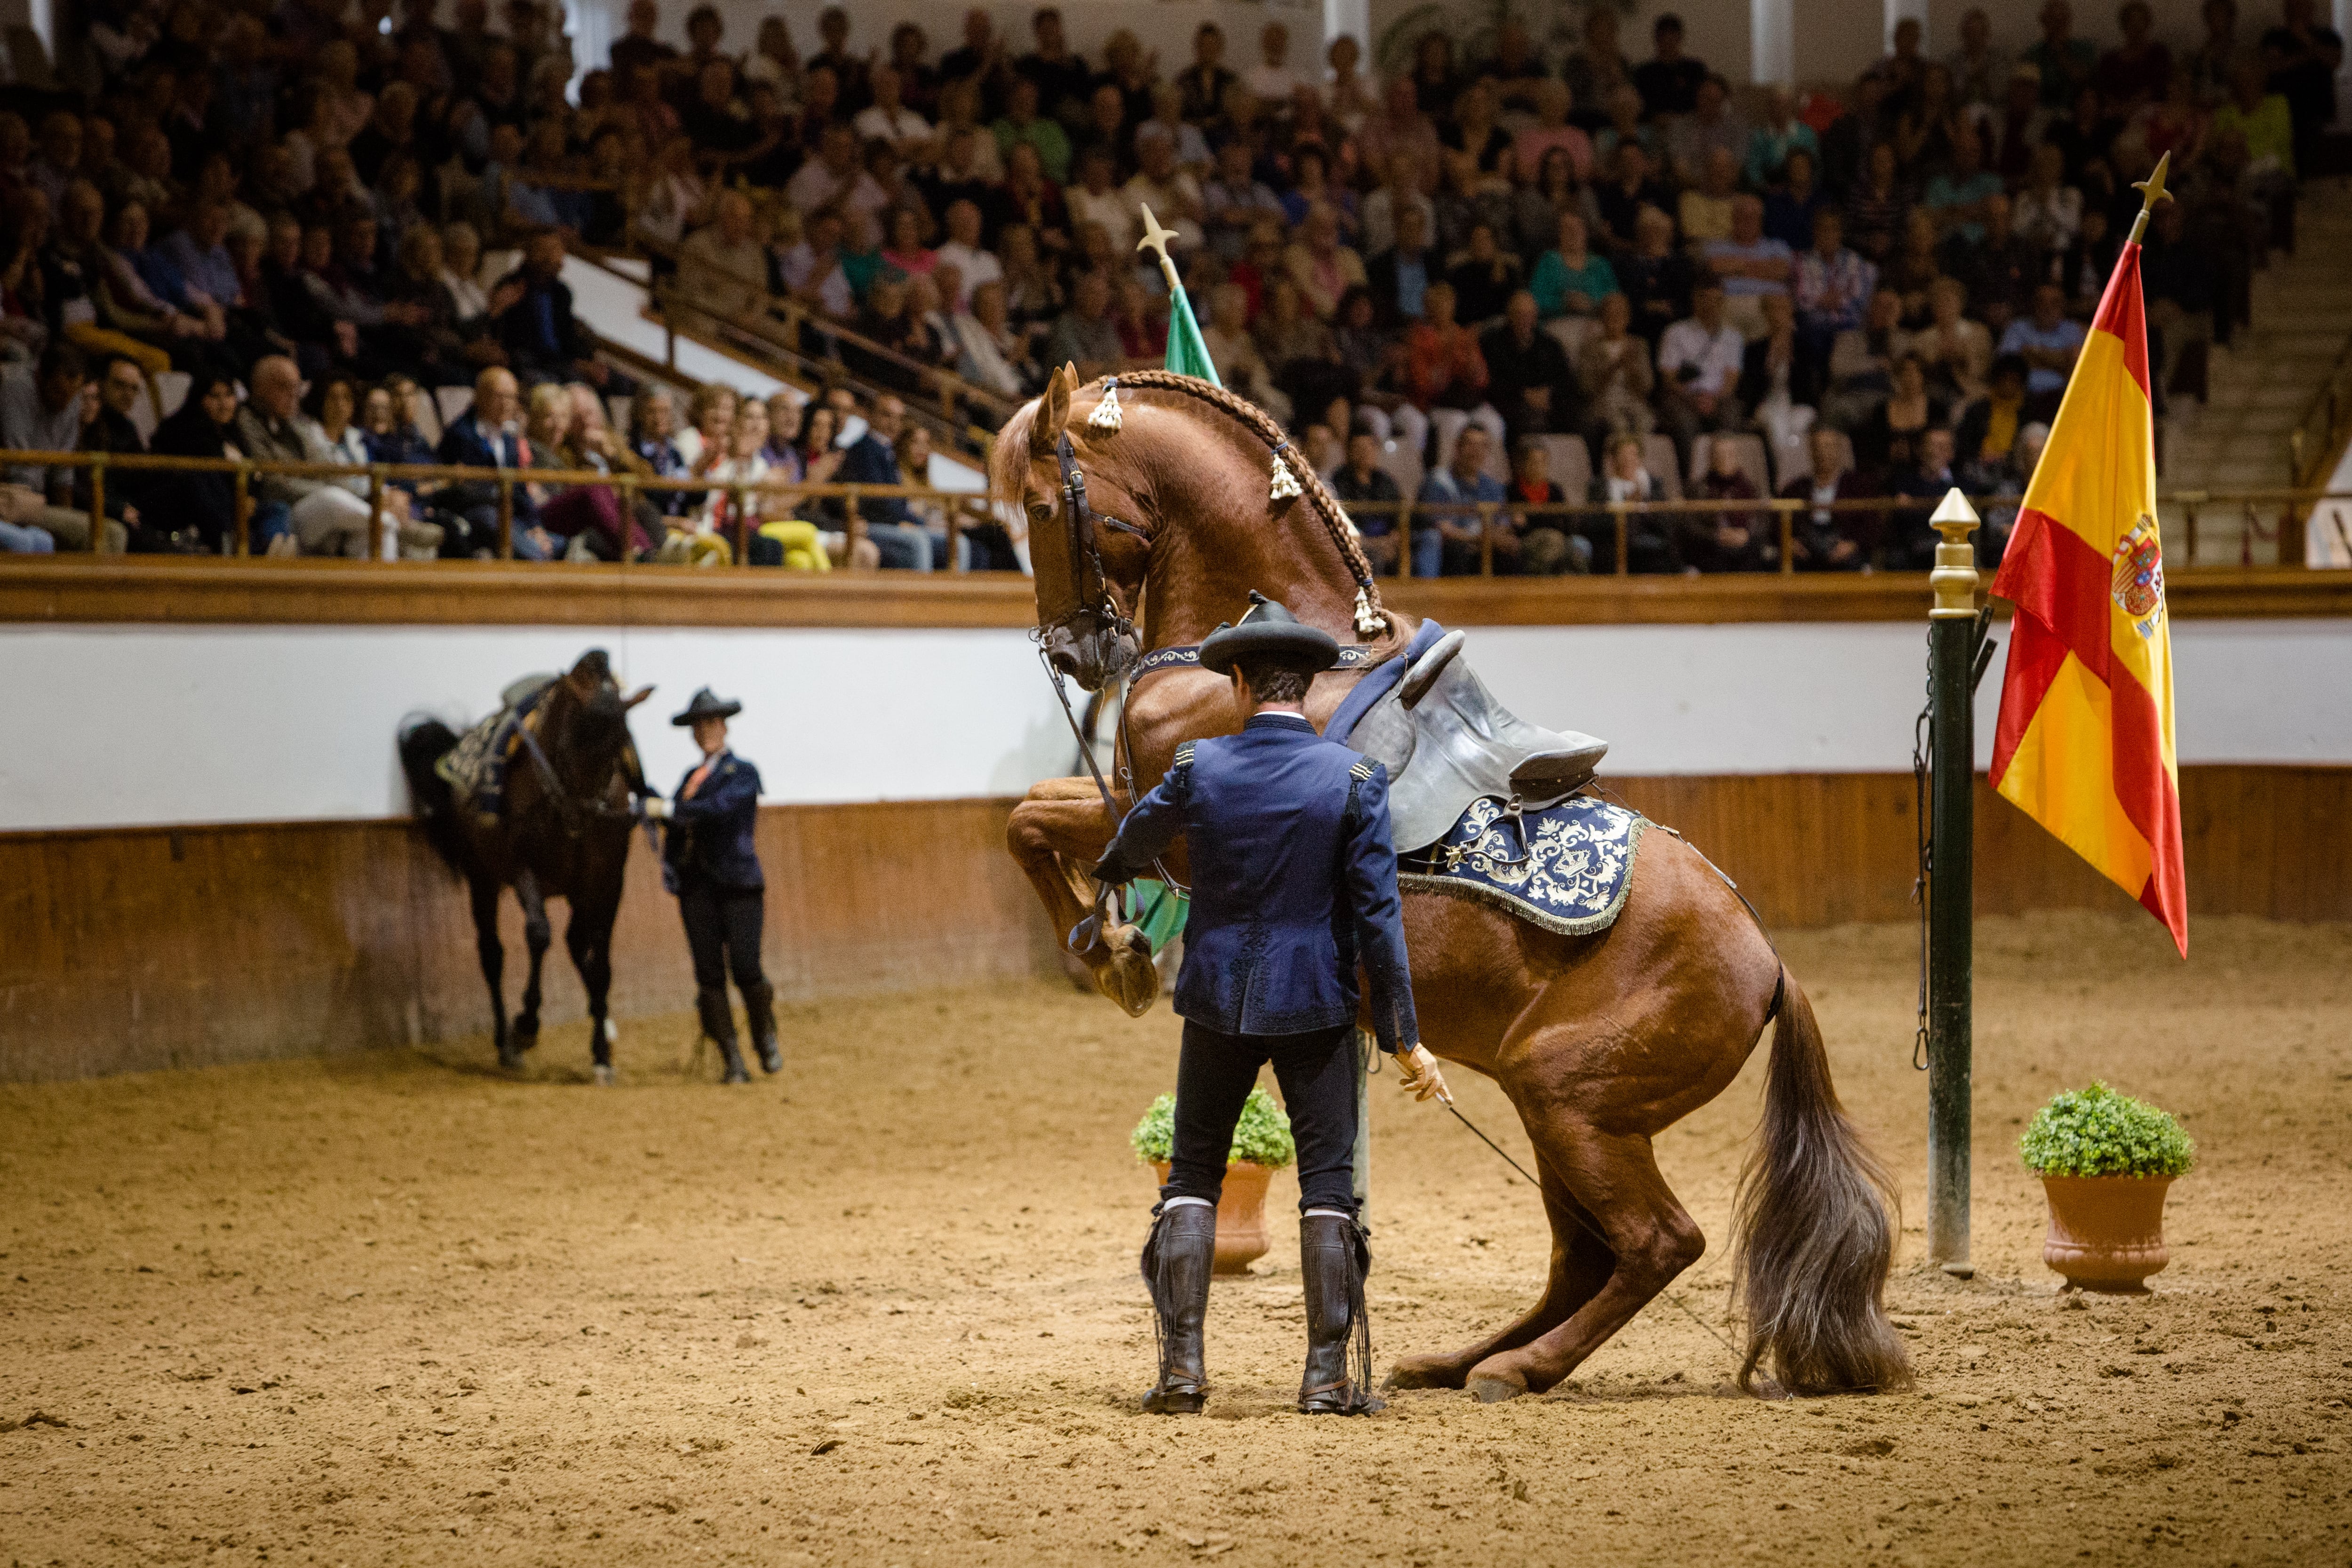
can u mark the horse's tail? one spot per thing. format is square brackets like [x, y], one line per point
[424, 742]
[1816, 1228]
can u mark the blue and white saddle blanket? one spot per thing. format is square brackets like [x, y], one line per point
[1565, 868]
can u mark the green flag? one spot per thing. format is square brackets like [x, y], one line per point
[1187, 354]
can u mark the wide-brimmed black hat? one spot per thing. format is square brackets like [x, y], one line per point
[706, 705]
[1269, 634]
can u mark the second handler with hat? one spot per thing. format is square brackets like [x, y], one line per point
[1294, 885]
[710, 859]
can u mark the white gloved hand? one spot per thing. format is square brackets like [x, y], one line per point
[656, 808]
[1418, 1075]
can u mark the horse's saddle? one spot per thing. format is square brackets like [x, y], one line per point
[476, 767]
[1446, 743]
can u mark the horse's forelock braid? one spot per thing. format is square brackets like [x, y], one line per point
[1335, 519]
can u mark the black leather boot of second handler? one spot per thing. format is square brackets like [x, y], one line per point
[1334, 1259]
[1177, 1258]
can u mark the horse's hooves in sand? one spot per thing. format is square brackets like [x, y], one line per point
[1128, 978]
[1424, 1372]
[603, 1076]
[1494, 1387]
[525, 1034]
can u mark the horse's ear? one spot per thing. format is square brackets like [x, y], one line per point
[1053, 410]
[637, 697]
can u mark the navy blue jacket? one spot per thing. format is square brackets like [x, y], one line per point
[466, 445]
[869, 462]
[1294, 882]
[712, 837]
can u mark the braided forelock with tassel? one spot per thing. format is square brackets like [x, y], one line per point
[1326, 505]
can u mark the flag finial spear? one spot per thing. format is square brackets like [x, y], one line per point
[1156, 238]
[2151, 192]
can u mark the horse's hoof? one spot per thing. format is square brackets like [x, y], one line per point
[1127, 976]
[526, 1035]
[603, 1076]
[1493, 1388]
[1424, 1372]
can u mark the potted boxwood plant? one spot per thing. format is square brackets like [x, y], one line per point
[2106, 1160]
[1261, 1146]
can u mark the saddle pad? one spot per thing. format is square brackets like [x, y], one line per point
[1566, 868]
[476, 767]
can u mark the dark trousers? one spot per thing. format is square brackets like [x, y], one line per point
[1318, 1075]
[722, 929]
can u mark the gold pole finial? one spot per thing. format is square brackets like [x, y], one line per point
[1954, 579]
[1156, 238]
[2151, 192]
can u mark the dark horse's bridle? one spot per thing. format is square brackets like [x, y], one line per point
[1096, 612]
[576, 814]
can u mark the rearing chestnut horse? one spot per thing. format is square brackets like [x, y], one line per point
[1601, 1041]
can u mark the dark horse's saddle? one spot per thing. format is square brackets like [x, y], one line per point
[476, 768]
[1446, 744]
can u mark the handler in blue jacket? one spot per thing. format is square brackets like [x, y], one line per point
[710, 861]
[1294, 885]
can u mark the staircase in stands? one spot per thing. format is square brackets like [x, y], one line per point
[2262, 383]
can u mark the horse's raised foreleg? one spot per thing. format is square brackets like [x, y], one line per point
[485, 897]
[1652, 1237]
[588, 936]
[1581, 1266]
[1056, 834]
[536, 937]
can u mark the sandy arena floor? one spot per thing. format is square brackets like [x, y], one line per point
[394, 1309]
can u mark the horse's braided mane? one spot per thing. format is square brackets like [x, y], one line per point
[1326, 505]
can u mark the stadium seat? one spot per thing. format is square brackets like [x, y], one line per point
[617, 410]
[451, 401]
[1571, 465]
[1402, 464]
[1658, 456]
[1751, 459]
[428, 421]
[1801, 465]
[1571, 331]
[171, 390]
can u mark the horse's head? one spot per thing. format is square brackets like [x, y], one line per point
[587, 720]
[1085, 544]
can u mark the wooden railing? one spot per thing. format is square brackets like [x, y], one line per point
[2317, 442]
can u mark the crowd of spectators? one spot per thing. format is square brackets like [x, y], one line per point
[1436, 278]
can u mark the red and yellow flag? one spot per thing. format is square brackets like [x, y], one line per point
[2084, 743]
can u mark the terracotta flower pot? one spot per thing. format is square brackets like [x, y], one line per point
[2107, 1233]
[1241, 1216]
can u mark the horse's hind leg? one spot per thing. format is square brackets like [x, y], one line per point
[588, 936]
[1581, 1266]
[485, 896]
[1650, 1236]
[536, 936]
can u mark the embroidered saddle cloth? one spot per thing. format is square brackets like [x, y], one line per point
[1565, 867]
[476, 767]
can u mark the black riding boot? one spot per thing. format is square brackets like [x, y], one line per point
[1334, 1260]
[760, 1010]
[1177, 1257]
[719, 1023]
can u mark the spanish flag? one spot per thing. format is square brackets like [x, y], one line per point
[2084, 743]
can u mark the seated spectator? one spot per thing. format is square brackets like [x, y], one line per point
[1658, 277]
[205, 504]
[1619, 200]
[1887, 442]
[2186, 313]
[1669, 80]
[1085, 334]
[487, 436]
[1878, 210]
[1957, 198]
[1383, 211]
[1449, 531]
[2049, 339]
[722, 268]
[1322, 267]
[106, 427]
[991, 352]
[1737, 539]
[1706, 209]
[2047, 213]
[2259, 114]
[1311, 186]
[1232, 200]
[1770, 143]
[1833, 289]
[1791, 207]
[2067, 64]
[1862, 364]
[1749, 264]
[2137, 71]
[1910, 545]
[2017, 130]
[890, 523]
[41, 407]
[1651, 542]
[1550, 132]
[1235, 353]
[653, 429]
[1399, 278]
[1443, 367]
[1572, 279]
[1613, 371]
[1779, 384]
[318, 516]
[1361, 479]
[542, 338]
[1822, 538]
[1999, 272]
[1095, 198]
[1484, 276]
[1956, 350]
[887, 118]
[1699, 359]
[1529, 380]
[1988, 428]
[1550, 543]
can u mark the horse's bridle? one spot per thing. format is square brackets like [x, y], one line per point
[571, 812]
[1097, 609]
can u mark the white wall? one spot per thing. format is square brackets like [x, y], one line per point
[278, 723]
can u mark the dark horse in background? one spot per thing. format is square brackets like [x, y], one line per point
[563, 832]
[1602, 1041]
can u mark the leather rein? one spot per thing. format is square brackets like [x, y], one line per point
[574, 815]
